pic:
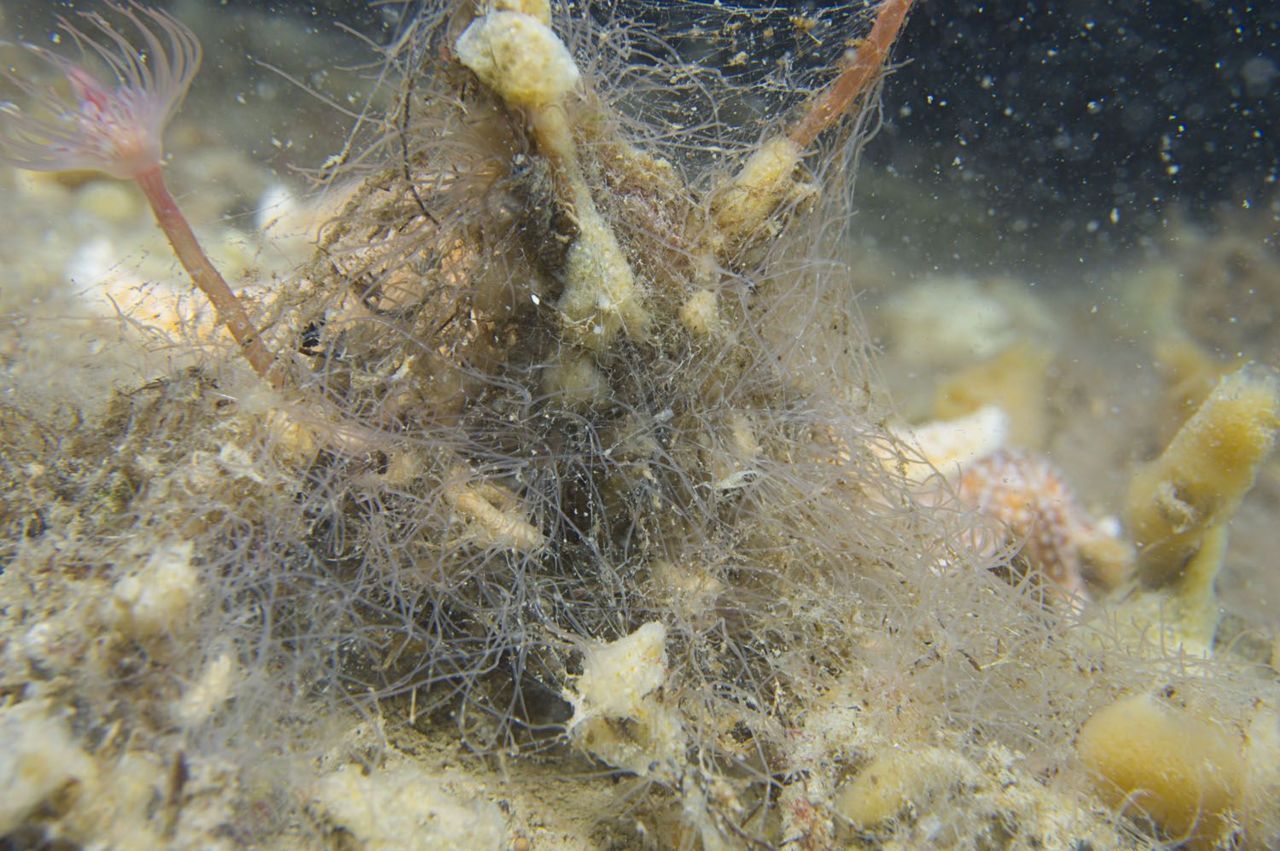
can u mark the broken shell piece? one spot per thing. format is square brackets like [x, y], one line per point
[618, 711]
[950, 446]
[214, 688]
[404, 808]
[38, 758]
[155, 599]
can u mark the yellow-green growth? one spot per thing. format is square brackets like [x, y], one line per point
[519, 57]
[1181, 771]
[1200, 479]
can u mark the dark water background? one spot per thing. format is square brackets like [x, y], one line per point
[1068, 111]
[1074, 126]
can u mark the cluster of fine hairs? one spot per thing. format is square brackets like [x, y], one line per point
[512, 492]
[457, 478]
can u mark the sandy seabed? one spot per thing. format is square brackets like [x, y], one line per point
[938, 699]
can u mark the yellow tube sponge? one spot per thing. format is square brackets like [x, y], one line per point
[766, 179]
[519, 57]
[1181, 771]
[1200, 479]
[601, 296]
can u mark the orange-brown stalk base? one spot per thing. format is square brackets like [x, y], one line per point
[855, 80]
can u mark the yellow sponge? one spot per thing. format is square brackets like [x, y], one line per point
[1200, 479]
[1181, 771]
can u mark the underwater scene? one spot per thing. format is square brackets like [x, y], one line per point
[623, 424]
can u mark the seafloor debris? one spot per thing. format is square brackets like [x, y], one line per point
[582, 446]
[1229, 289]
